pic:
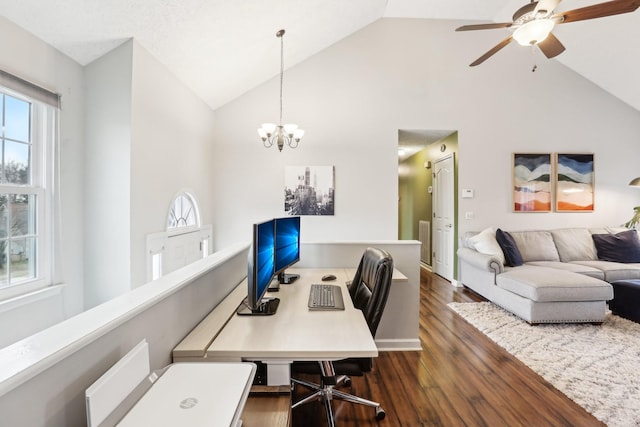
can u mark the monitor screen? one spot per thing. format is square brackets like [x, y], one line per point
[287, 242]
[261, 262]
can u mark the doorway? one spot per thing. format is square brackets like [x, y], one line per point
[418, 151]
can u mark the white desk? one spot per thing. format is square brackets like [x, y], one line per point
[295, 332]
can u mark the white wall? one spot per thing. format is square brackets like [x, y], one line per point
[413, 74]
[149, 137]
[26, 56]
[107, 175]
[172, 150]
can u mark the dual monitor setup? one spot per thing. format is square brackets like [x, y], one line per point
[275, 247]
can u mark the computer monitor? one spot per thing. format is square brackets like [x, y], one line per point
[287, 247]
[260, 271]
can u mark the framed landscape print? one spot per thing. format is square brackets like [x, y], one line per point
[574, 183]
[532, 182]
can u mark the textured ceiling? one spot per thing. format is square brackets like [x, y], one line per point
[223, 48]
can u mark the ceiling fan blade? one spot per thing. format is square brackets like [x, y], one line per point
[547, 5]
[491, 51]
[614, 7]
[551, 46]
[484, 26]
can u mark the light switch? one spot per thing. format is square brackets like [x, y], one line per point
[468, 215]
[467, 193]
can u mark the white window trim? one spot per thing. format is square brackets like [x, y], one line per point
[196, 213]
[43, 122]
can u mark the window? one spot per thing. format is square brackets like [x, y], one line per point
[183, 242]
[182, 213]
[26, 142]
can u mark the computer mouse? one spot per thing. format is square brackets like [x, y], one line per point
[328, 277]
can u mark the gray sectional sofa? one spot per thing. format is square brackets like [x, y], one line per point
[561, 278]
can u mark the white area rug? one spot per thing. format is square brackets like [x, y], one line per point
[596, 366]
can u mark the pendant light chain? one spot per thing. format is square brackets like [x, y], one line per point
[281, 71]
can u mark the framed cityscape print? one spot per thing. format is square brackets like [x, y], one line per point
[532, 182]
[309, 190]
[574, 183]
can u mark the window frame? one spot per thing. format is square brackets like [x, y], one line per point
[182, 229]
[43, 129]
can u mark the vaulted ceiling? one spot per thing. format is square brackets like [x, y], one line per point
[223, 48]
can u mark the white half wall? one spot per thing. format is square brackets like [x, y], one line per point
[399, 326]
[43, 378]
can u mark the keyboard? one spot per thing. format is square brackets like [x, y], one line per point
[325, 297]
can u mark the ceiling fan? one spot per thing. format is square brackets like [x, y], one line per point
[533, 22]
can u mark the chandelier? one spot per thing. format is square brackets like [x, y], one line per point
[280, 134]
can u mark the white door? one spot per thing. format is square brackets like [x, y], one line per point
[182, 249]
[443, 217]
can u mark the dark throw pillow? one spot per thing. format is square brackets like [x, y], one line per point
[512, 255]
[620, 247]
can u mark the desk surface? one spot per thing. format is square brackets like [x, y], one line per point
[295, 332]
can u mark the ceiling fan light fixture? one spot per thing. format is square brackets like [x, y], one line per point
[533, 32]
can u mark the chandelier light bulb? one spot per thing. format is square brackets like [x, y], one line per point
[269, 128]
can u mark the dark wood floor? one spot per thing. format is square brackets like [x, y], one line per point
[460, 378]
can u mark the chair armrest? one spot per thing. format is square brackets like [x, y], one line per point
[479, 260]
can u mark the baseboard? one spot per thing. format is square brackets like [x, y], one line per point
[398, 345]
[426, 266]
[456, 283]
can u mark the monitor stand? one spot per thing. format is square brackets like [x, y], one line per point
[285, 279]
[274, 286]
[267, 307]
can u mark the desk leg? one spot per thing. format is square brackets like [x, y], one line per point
[278, 373]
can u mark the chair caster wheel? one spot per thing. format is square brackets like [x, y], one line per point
[380, 414]
[347, 382]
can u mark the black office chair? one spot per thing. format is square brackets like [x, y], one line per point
[369, 290]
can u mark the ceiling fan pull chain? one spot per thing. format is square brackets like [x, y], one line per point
[533, 55]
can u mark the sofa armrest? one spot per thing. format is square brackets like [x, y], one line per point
[482, 261]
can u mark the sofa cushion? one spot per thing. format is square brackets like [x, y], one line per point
[574, 244]
[570, 266]
[509, 248]
[614, 270]
[620, 247]
[607, 230]
[536, 245]
[485, 242]
[544, 284]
